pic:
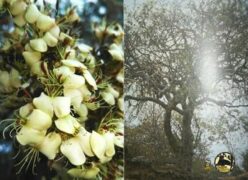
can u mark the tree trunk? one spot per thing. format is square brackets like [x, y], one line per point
[187, 141]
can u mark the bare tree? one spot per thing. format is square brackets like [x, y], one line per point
[164, 51]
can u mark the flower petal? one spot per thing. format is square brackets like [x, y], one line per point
[50, 146]
[32, 13]
[90, 173]
[110, 147]
[108, 97]
[44, 103]
[30, 136]
[73, 151]
[61, 106]
[74, 63]
[98, 144]
[90, 79]
[39, 120]
[67, 124]
[38, 45]
[25, 110]
[74, 81]
[75, 95]
[84, 140]
[44, 22]
[50, 39]
[31, 57]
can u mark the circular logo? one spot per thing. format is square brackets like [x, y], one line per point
[224, 162]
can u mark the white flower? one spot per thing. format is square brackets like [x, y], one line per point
[63, 71]
[18, 8]
[120, 76]
[61, 106]
[108, 97]
[75, 95]
[111, 90]
[110, 148]
[85, 92]
[90, 79]
[31, 57]
[82, 111]
[38, 68]
[30, 136]
[121, 103]
[84, 141]
[14, 78]
[19, 20]
[32, 13]
[84, 48]
[73, 151]
[70, 53]
[50, 40]
[68, 124]
[119, 141]
[89, 173]
[44, 103]
[55, 30]
[74, 63]
[116, 52]
[38, 45]
[45, 23]
[25, 110]
[5, 80]
[50, 145]
[39, 120]
[98, 144]
[74, 81]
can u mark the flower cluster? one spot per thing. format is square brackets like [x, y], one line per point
[78, 114]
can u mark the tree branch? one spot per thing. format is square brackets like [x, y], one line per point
[157, 101]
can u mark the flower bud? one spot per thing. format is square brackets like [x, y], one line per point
[74, 81]
[120, 76]
[55, 30]
[84, 48]
[75, 95]
[90, 79]
[108, 97]
[73, 151]
[37, 69]
[119, 141]
[30, 136]
[45, 23]
[14, 78]
[5, 80]
[39, 120]
[74, 63]
[84, 141]
[19, 20]
[90, 173]
[110, 148]
[50, 39]
[116, 52]
[32, 14]
[25, 110]
[82, 111]
[64, 71]
[31, 57]
[67, 124]
[61, 106]
[111, 90]
[18, 7]
[121, 103]
[38, 45]
[44, 103]
[98, 144]
[50, 145]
